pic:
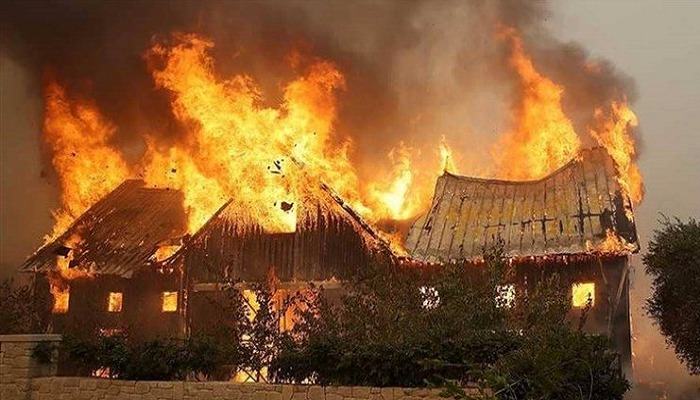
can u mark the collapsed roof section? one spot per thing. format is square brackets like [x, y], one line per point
[133, 225]
[329, 242]
[577, 209]
[119, 234]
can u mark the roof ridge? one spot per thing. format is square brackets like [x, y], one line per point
[579, 157]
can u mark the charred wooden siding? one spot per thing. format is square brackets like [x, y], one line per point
[141, 314]
[329, 247]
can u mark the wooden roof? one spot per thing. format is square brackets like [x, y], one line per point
[568, 212]
[119, 233]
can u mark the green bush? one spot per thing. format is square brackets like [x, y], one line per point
[389, 332]
[158, 359]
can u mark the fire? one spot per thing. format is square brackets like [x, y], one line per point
[65, 272]
[88, 166]
[543, 138]
[240, 150]
[169, 301]
[114, 302]
[613, 134]
[612, 244]
[61, 298]
[267, 158]
[392, 195]
[447, 160]
[582, 294]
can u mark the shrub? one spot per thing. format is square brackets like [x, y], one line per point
[386, 332]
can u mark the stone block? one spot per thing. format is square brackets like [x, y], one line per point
[315, 393]
[299, 396]
[345, 391]
[360, 392]
[333, 396]
[103, 383]
[87, 384]
[71, 382]
[287, 392]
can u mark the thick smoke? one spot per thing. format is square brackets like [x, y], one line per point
[415, 70]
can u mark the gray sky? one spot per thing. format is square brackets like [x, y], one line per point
[656, 43]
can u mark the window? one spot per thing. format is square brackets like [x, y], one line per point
[169, 301]
[582, 293]
[61, 299]
[505, 296]
[431, 298]
[114, 302]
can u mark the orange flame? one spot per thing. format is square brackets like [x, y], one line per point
[88, 166]
[612, 244]
[543, 138]
[613, 134]
[447, 160]
[265, 160]
[240, 150]
[64, 272]
[392, 200]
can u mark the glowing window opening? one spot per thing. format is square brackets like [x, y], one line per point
[61, 299]
[582, 293]
[169, 301]
[114, 302]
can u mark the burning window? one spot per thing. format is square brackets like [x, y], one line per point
[582, 293]
[505, 296]
[114, 302]
[251, 300]
[61, 299]
[169, 301]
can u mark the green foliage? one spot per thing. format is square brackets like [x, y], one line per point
[21, 311]
[44, 352]
[158, 359]
[673, 260]
[389, 332]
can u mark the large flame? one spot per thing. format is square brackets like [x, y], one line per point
[613, 134]
[267, 159]
[240, 150]
[88, 167]
[543, 138]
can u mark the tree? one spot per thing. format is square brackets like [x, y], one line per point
[673, 260]
[21, 309]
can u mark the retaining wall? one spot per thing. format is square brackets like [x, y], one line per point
[22, 378]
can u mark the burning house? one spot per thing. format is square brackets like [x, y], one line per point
[235, 194]
[128, 261]
[576, 222]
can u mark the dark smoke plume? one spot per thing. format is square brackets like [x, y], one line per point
[415, 70]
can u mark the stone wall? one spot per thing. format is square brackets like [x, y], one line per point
[18, 368]
[22, 378]
[63, 388]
